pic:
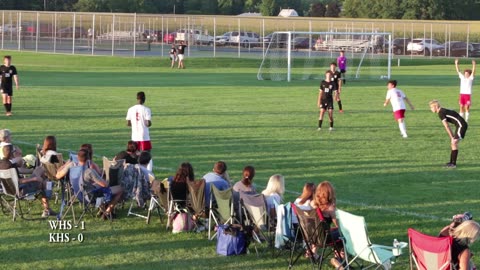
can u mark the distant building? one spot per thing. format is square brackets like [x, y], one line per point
[287, 12]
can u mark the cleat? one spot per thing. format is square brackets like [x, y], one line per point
[340, 111]
[405, 136]
[318, 129]
[450, 166]
[330, 129]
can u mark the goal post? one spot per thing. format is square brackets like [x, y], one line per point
[295, 55]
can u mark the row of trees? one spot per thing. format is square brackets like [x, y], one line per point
[386, 9]
[222, 7]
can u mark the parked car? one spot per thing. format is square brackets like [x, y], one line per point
[475, 51]
[246, 39]
[423, 46]
[68, 32]
[169, 37]
[399, 45]
[454, 49]
[8, 28]
[303, 43]
[223, 39]
[196, 36]
[152, 35]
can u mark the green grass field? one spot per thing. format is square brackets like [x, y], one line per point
[217, 110]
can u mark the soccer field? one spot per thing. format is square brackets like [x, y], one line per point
[217, 110]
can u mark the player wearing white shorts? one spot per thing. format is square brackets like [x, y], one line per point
[466, 82]
[181, 54]
[139, 117]
[396, 97]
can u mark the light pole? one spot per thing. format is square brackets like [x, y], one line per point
[44, 5]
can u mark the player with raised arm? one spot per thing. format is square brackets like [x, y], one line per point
[397, 98]
[181, 54]
[342, 65]
[8, 73]
[139, 117]
[327, 93]
[452, 117]
[337, 83]
[466, 82]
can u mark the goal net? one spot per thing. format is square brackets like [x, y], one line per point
[306, 55]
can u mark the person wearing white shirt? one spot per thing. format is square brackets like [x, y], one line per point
[139, 117]
[397, 98]
[466, 83]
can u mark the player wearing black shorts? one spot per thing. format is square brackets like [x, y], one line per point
[327, 93]
[337, 83]
[452, 117]
[173, 55]
[9, 75]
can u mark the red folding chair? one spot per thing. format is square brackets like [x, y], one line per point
[430, 252]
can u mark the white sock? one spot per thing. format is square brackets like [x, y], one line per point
[403, 129]
[461, 114]
[467, 114]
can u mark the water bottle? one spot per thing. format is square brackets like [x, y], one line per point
[396, 247]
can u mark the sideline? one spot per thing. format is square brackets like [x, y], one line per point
[347, 202]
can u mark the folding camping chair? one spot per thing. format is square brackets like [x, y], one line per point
[316, 234]
[50, 169]
[137, 188]
[113, 171]
[357, 243]
[11, 196]
[221, 209]
[429, 252]
[254, 214]
[98, 197]
[285, 232]
[196, 200]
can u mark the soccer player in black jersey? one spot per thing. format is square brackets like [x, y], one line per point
[452, 117]
[173, 55]
[9, 75]
[181, 54]
[337, 83]
[327, 93]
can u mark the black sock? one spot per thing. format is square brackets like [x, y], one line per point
[340, 105]
[6, 106]
[344, 81]
[453, 157]
[320, 123]
[331, 124]
[9, 107]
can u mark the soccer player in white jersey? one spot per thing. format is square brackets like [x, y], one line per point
[139, 117]
[397, 98]
[466, 82]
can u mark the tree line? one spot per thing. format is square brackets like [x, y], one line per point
[375, 9]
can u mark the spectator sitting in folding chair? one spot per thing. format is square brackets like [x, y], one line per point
[130, 154]
[92, 179]
[178, 185]
[93, 165]
[464, 232]
[28, 185]
[49, 149]
[6, 139]
[274, 193]
[325, 200]
[217, 178]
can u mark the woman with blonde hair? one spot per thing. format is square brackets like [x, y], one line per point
[464, 235]
[274, 191]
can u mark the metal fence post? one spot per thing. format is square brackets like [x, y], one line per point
[113, 34]
[134, 34]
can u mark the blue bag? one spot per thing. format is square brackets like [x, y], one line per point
[231, 240]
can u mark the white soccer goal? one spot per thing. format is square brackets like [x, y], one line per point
[306, 55]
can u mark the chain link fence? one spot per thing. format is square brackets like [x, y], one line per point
[134, 35]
